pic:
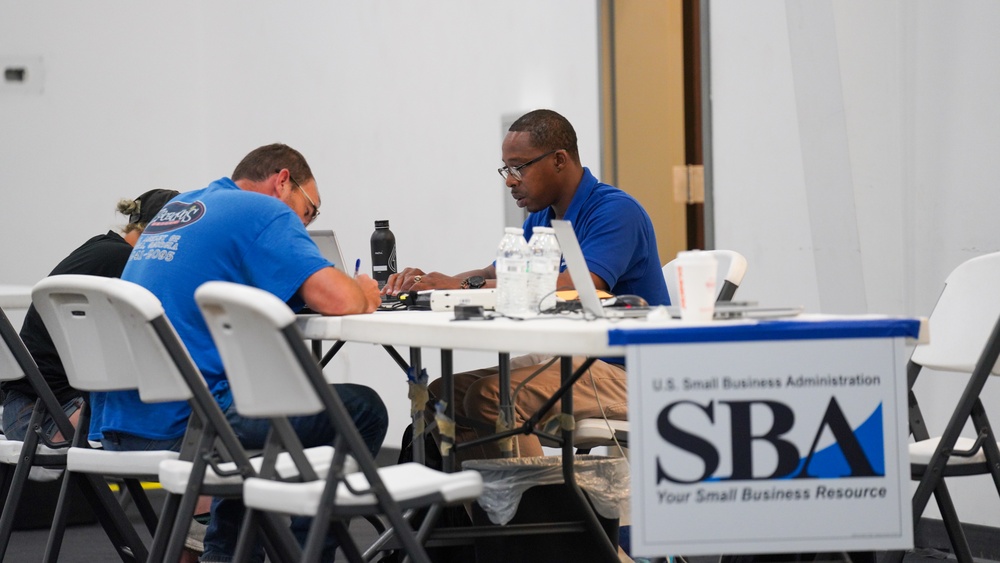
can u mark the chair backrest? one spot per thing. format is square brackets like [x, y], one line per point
[732, 268]
[10, 368]
[266, 378]
[105, 332]
[963, 317]
[16, 363]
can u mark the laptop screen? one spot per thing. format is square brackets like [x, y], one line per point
[329, 247]
[580, 273]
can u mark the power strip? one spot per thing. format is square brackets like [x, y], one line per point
[447, 299]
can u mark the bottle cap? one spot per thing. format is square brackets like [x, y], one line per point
[383, 224]
[514, 231]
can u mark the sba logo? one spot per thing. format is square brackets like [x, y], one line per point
[853, 453]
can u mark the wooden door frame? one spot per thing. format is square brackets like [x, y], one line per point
[682, 24]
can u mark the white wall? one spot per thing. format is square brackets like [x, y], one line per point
[855, 158]
[855, 141]
[397, 106]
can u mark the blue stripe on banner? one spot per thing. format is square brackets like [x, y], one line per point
[767, 330]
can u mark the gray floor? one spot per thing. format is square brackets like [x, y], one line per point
[88, 544]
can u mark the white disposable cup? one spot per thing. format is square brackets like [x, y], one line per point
[696, 272]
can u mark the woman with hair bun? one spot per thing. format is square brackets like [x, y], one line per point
[103, 255]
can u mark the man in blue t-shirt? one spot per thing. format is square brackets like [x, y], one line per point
[543, 171]
[251, 230]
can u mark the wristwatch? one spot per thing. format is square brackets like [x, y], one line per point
[473, 282]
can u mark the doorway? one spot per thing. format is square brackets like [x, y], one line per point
[651, 114]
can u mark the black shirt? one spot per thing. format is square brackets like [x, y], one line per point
[104, 255]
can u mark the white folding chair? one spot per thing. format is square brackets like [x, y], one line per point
[273, 375]
[964, 339]
[113, 335]
[732, 268]
[18, 459]
[595, 432]
[37, 451]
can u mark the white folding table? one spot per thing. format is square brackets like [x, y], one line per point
[730, 345]
[552, 335]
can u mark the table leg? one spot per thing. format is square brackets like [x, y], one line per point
[568, 456]
[566, 375]
[506, 406]
[416, 366]
[447, 373]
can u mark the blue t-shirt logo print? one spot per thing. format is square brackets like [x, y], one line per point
[175, 215]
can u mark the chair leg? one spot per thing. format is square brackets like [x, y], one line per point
[109, 513]
[158, 549]
[115, 522]
[20, 477]
[185, 512]
[316, 540]
[248, 535]
[430, 520]
[279, 541]
[385, 536]
[313, 549]
[56, 532]
[17, 484]
[346, 542]
[376, 523]
[990, 447]
[142, 504]
[952, 524]
[6, 474]
[273, 553]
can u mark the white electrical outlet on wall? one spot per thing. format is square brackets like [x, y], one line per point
[21, 75]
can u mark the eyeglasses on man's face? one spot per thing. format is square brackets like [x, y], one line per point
[315, 208]
[507, 171]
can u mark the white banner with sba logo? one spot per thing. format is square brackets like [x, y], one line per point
[769, 446]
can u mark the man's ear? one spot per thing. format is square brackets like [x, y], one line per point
[560, 160]
[280, 183]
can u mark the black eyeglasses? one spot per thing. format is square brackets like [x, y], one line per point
[315, 208]
[507, 171]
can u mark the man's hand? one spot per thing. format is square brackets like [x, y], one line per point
[332, 292]
[370, 289]
[414, 279]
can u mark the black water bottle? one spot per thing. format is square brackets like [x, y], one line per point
[383, 253]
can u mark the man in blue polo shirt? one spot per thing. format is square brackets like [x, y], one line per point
[544, 174]
[248, 229]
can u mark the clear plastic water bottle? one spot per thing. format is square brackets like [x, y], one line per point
[383, 252]
[512, 273]
[544, 256]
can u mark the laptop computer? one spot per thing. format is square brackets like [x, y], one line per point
[728, 310]
[329, 247]
[578, 271]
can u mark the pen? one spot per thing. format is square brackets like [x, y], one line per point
[357, 267]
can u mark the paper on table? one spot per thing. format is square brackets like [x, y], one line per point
[571, 295]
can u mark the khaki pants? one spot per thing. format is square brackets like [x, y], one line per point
[477, 400]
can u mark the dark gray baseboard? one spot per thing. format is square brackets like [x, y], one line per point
[984, 541]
